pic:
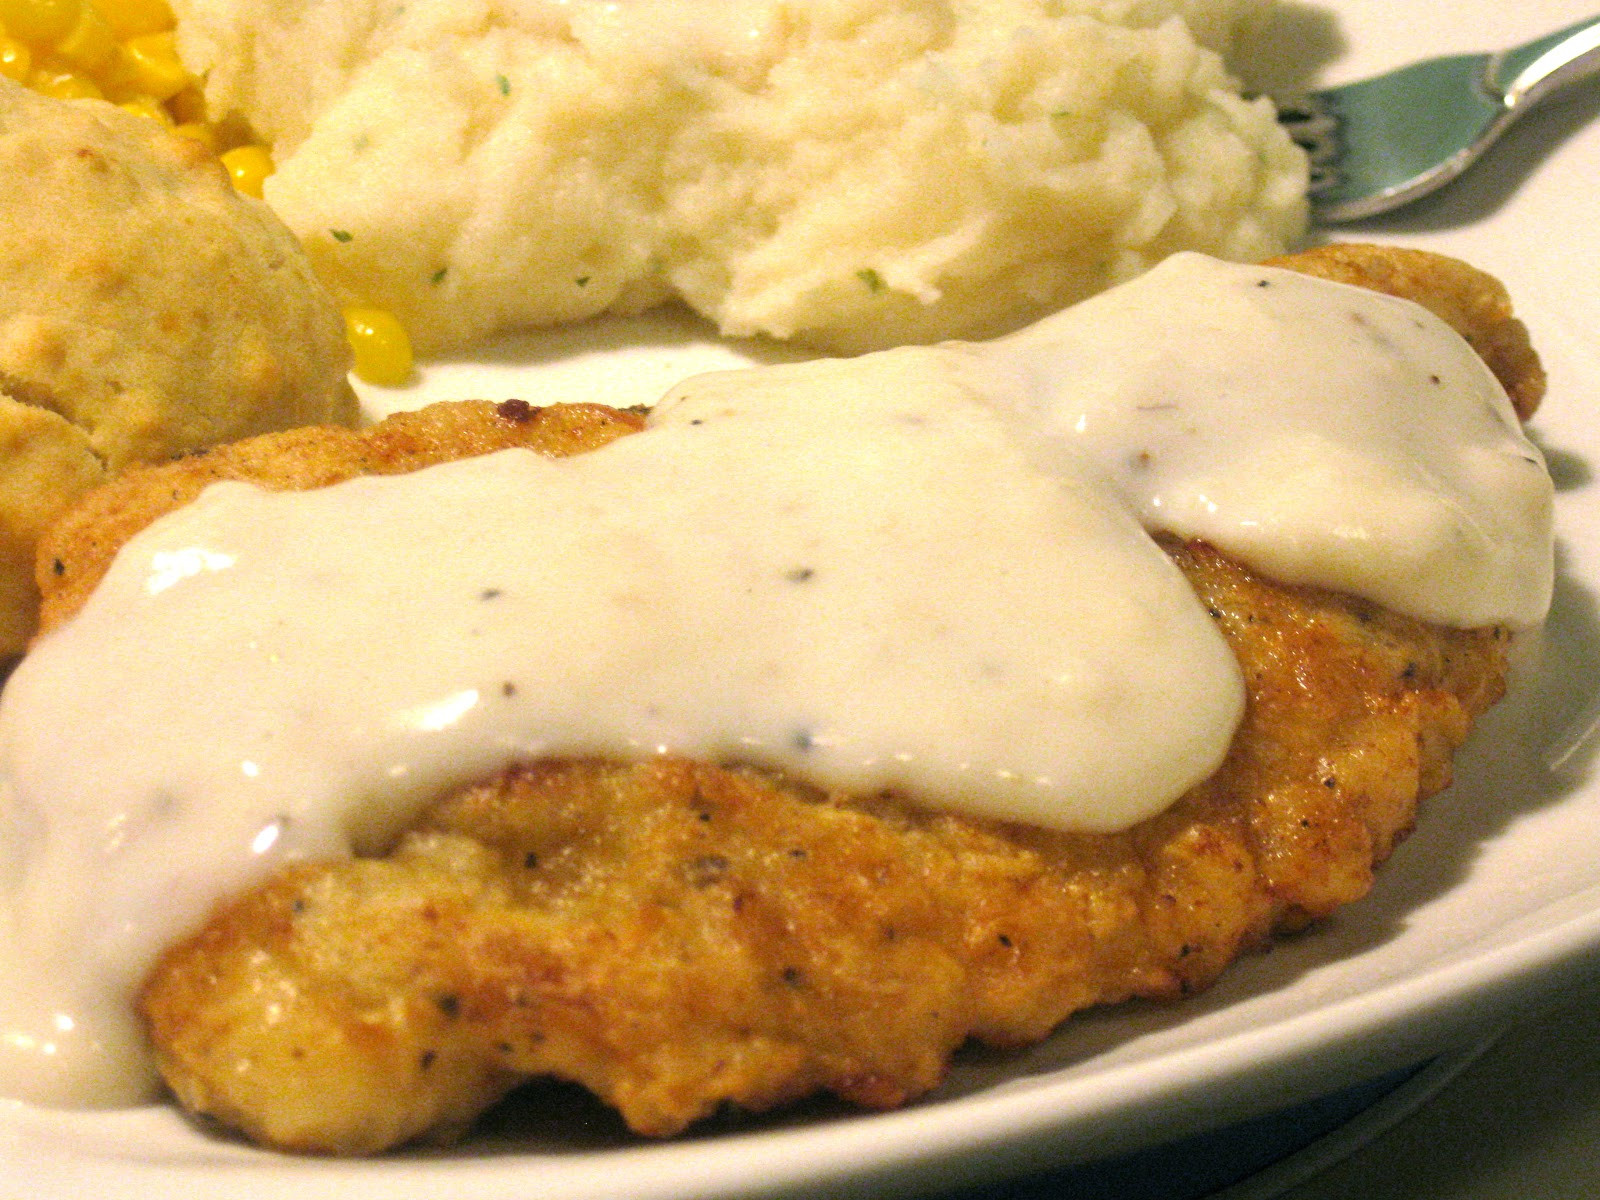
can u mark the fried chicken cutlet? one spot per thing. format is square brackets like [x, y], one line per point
[676, 935]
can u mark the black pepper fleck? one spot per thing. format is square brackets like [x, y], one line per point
[514, 410]
[799, 574]
[530, 861]
[449, 1005]
[705, 870]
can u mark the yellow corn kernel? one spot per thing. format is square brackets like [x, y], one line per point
[42, 22]
[88, 45]
[148, 65]
[135, 18]
[16, 60]
[148, 107]
[203, 134]
[54, 78]
[248, 167]
[380, 345]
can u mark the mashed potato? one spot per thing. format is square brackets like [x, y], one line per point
[146, 310]
[853, 173]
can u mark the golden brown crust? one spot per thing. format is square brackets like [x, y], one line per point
[78, 548]
[677, 935]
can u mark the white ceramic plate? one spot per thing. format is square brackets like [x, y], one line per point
[1491, 905]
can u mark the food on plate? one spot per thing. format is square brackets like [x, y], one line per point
[742, 755]
[118, 50]
[853, 173]
[146, 310]
[677, 936]
[122, 51]
[1470, 301]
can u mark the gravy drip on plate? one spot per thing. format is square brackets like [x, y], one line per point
[921, 570]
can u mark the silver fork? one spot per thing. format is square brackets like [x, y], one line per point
[1386, 141]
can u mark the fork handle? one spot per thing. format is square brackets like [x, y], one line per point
[1526, 74]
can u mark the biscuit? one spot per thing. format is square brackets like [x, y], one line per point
[147, 310]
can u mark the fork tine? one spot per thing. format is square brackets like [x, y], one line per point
[1381, 142]
[1311, 125]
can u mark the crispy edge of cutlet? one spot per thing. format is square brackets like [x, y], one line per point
[1162, 908]
[677, 936]
[77, 550]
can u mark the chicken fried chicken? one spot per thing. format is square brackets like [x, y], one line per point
[677, 935]
[674, 935]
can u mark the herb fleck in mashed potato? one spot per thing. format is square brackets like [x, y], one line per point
[852, 173]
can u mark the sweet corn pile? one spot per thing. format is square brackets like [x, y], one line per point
[122, 51]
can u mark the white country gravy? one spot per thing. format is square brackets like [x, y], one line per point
[1325, 434]
[915, 570]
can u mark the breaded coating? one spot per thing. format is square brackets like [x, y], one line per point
[78, 548]
[677, 935]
